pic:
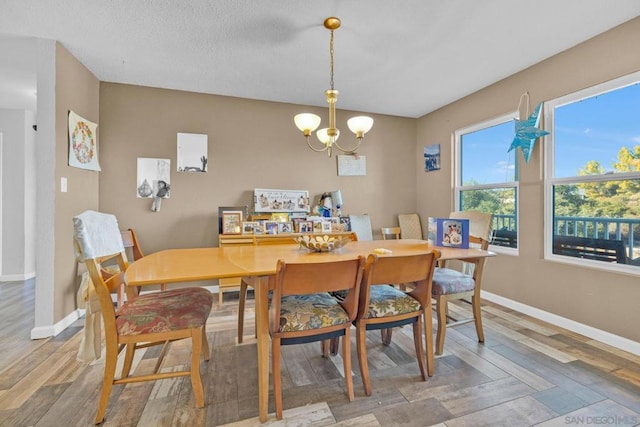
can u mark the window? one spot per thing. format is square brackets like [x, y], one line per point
[593, 175]
[487, 176]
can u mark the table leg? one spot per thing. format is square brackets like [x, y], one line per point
[262, 331]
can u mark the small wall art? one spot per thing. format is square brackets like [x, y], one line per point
[432, 158]
[154, 180]
[83, 145]
[352, 165]
[192, 152]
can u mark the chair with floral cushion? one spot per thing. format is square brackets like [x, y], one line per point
[384, 307]
[252, 282]
[142, 321]
[451, 284]
[302, 310]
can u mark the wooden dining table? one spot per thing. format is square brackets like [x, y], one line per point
[198, 264]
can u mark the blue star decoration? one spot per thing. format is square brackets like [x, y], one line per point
[527, 132]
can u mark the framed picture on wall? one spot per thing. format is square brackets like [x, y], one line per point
[432, 158]
[231, 222]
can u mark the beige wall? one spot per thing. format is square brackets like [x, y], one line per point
[252, 144]
[607, 301]
[77, 90]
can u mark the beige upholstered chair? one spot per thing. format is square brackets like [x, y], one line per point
[302, 310]
[361, 225]
[450, 284]
[410, 227]
[142, 321]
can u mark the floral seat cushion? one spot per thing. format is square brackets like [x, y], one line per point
[164, 311]
[314, 311]
[447, 281]
[385, 300]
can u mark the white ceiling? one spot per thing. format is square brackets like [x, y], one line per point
[404, 58]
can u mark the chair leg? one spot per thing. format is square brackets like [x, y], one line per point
[277, 380]
[324, 348]
[417, 340]
[427, 323]
[334, 346]
[196, 380]
[206, 351]
[346, 358]
[128, 359]
[477, 316]
[361, 342]
[111, 359]
[441, 311]
[241, 302]
[163, 353]
[385, 335]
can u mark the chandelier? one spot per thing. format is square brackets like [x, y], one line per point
[308, 122]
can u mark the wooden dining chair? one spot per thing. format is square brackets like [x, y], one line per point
[384, 307]
[302, 310]
[252, 282]
[458, 284]
[390, 232]
[142, 321]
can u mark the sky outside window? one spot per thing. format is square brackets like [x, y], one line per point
[595, 129]
[485, 159]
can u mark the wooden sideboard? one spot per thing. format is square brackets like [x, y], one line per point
[226, 240]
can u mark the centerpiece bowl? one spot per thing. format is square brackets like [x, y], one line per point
[322, 243]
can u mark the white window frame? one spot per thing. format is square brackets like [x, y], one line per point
[458, 187]
[550, 181]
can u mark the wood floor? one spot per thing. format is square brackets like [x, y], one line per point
[527, 373]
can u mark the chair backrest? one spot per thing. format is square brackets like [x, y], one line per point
[416, 269]
[97, 240]
[479, 226]
[130, 240]
[390, 232]
[315, 277]
[361, 225]
[410, 227]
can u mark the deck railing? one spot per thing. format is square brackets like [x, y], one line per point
[625, 229]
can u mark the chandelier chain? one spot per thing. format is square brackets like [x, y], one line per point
[331, 62]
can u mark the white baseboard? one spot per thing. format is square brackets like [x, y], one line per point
[580, 328]
[17, 277]
[53, 330]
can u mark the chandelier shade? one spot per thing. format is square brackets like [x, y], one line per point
[308, 122]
